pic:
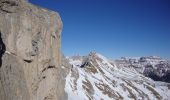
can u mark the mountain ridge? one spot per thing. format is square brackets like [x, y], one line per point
[95, 77]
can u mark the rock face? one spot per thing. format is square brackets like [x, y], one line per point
[30, 52]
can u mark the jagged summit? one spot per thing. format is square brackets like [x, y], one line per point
[95, 77]
[31, 66]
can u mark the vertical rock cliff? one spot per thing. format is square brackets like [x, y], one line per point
[30, 52]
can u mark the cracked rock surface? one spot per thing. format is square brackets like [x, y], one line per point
[30, 64]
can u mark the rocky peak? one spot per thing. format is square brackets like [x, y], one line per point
[96, 77]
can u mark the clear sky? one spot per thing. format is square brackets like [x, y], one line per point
[114, 28]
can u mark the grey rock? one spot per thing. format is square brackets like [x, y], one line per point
[30, 52]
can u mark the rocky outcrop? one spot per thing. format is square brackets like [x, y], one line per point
[30, 52]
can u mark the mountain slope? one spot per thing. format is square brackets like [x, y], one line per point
[94, 77]
[154, 67]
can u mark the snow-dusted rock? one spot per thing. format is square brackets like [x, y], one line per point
[94, 77]
[154, 67]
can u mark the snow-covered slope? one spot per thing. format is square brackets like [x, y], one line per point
[154, 67]
[94, 77]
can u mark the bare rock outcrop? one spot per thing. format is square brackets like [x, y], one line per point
[30, 52]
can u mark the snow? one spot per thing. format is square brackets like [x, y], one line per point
[74, 82]
[68, 88]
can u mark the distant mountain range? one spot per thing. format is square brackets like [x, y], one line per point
[153, 67]
[94, 77]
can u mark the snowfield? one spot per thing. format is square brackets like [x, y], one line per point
[94, 77]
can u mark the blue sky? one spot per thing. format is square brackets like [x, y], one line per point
[114, 28]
